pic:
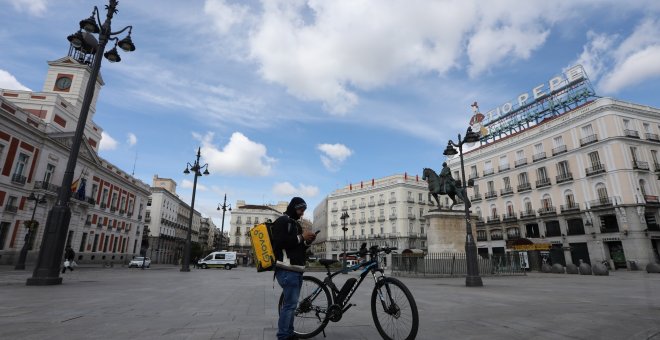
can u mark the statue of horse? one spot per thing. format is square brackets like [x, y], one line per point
[435, 188]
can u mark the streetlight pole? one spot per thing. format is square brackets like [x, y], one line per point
[344, 217]
[47, 271]
[195, 167]
[472, 279]
[20, 265]
[224, 207]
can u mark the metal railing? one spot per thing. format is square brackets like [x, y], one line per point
[631, 133]
[520, 162]
[503, 167]
[454, 265]
[547, 210]
[639, 165]
[595, 169]
[559, 149]
[564, 177]
[18, 179]
[524, 187]
[491, 194]
[539, 156]
[543, 182]
[652, 136]
[589, 139]
[570, 207]
[506, 191]
[488, 172]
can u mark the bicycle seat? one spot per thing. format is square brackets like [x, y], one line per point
[327, 262]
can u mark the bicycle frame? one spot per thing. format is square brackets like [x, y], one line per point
[370, 266]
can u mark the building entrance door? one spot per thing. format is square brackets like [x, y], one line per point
[579, 251]
[616, 254]
[557, 255]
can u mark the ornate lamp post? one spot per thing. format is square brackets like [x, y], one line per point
[343, 218]
[224, 207]
[85, 46]
[20, 265]
[472, 279]
[196, 169]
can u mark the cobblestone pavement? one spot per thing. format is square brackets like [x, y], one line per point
[164, 303]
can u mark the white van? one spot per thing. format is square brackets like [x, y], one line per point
[217, 259]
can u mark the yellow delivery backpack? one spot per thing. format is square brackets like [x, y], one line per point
[262, 248]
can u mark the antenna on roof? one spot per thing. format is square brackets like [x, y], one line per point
[134, 162]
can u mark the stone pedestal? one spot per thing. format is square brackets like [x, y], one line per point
[446, 233]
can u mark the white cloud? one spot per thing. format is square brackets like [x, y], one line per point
[132, 139]
[333, 155]
[224, 15]
[636, 59]
[188, 184]
[240, 156]
[8, 81]
[594, 57]
[107, 142]
[33, 7]
[288, 189]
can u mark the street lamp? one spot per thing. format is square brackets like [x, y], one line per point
[196, 168]
[343, 218]
[224, 207]
[472, 279]
[87, 50]
[20, 265]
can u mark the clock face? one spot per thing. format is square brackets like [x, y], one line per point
[63, 83]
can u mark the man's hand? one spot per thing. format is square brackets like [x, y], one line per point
[308, 236]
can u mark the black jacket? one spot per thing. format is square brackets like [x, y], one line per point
[287, 235]
[69, 254]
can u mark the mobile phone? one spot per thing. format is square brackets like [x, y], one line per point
[317, 232]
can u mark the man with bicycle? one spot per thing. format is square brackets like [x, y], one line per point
[290, 243]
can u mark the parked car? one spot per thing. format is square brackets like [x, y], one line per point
[138, 261]
[219, 259]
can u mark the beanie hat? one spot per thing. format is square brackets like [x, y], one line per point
[295, 204]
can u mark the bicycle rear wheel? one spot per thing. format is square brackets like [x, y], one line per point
[313, 303]
[394, 310]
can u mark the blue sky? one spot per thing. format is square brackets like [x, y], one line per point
[293, 97]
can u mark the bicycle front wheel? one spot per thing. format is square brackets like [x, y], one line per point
[394, 310]
[311, 311]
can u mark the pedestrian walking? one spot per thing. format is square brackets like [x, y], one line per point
[69, 257]
[290, 242]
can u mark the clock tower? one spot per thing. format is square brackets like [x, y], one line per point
[68, 77]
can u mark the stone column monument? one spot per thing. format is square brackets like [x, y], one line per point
[446, 233]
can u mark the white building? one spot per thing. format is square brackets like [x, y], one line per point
[387, 211]
[168, 219]
[36, 131]
[245, 216]
[580, 186]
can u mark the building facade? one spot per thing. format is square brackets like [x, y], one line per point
[244, 217]
[168, 219]
[389, 211]
[579, 186]
[36, 132]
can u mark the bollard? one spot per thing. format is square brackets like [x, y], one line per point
[585, 268]
[653, 267]
[600, 269]
[557, 268]
[572, 269]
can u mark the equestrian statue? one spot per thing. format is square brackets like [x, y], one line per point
[444, 184]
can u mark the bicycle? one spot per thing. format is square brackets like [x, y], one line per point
[320, 302]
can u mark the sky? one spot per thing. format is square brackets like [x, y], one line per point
[299, 98]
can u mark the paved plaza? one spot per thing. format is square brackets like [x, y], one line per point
[163, 303]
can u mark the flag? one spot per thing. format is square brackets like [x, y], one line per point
[75, 185]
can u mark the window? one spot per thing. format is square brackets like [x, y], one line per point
[587, 130]
[509, 209]
[420, 197]
[11, 202]
[421, 212]
[634, 154]
[248, 220]
[504, 161]
[488, 167]
[541, 173]
[104, 197]
[558, 141]
[382, 212]
[475, 189]
[647, 128]
[491, 186]
[552, 229]
[538, 148]
[256, 220]
[626, 124]
[594, 159]
[83, 242]
[569, 198]
[546, 202]
[21, 164]
[473, 171]
[654, 156]
[96, 243]
[2, 148]
[48, 176]
[393, 227]
[393, 211]
[507, 182]
[528, 205]
[520, 155]
[601, 191]
[522, 178]
[562, 169]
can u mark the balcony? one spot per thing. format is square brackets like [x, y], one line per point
[410, 200]
[102, 206]
[481, 238]
[559, 150]
[381, 202]
[381, 218]
[334, 223]
[496, 237]
[561, 178]
[652, 136]
[589, 140]
[88, 223]
[422, 218]
[421, 202]
[473, 175]
[18, 179]
[549, 210]
[353, 206]
[334, 209]
[524, 187]
[475, 198]
[527, 214]
[491, 194]
[371, 219]
[113, 209]
[503, 167]
[510, 217]
[371, 204]
[539, 156]
[494, 219]
[362, 205]
[520, 162]
[99, 225]
[393, 217]
[139, 218]
[353, 221]
[392, 200]
[631, 133]
[39, 185]
[571, 207]
[601, 202]
[595, 170]
[488, 172]
[121, 212]
[11, 208]
[506, 191]
[411, 216]
[344, 208]
[147, 219]
[543, 182]
[362, 220]
[638, 165]
[480, 222]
